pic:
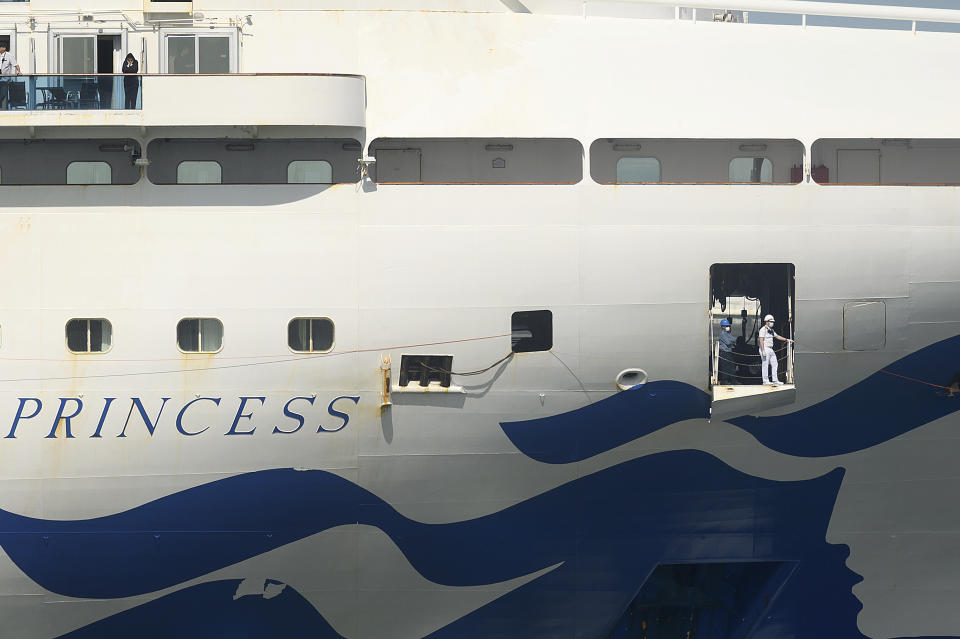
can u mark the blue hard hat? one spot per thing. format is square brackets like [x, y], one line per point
[724, 322]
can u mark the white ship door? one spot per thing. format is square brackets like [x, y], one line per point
[398, 165]
[858, 166]
[82, 54]
[78, 54]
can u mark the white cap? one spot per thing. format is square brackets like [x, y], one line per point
[768, 318]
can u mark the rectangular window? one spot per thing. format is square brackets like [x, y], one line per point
[182, 54]
[309, 172]
[632, 170]
[213, 54]
[89, 335]
[89, 173]
[423, 370]
[192, 172]
[200, 335]
[751, 170]
[78, 54]
[205, 52]
[310, 334]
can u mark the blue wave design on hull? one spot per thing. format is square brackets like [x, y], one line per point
[868, 413]
[609, 530]
[210, 610]
[611, 422]
[871, 412]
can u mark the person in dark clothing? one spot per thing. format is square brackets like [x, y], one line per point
[727, 364]
[131, 82]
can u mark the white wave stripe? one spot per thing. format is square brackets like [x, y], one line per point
[53, 498]
[355, 577]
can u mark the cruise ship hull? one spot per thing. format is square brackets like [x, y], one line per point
[260, 491]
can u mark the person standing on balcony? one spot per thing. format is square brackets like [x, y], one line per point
[131, 82]
[8, 63]
[768, 358]
[8, 67]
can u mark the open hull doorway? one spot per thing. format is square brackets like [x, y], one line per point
[742, 379]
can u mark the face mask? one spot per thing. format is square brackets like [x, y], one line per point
[726, 328]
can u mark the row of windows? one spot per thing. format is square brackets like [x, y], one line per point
[200, 335]
[646, 170]
[210, 51]
[530, 330]
[193, 172]
[630, 170]
[298, 172]
[479, 161]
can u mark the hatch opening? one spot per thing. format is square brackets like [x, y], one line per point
[703, 600]
[531, 331]
[423, 370]
[741, 297]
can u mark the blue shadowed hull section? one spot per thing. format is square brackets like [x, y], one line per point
[211, 610]
[609, 530]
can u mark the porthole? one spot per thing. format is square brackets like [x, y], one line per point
[310, 334]
[89, 335]
[200, 335]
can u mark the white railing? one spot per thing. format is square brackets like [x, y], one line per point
[790, 363]
[739, 380]
[715, 378]
[805, 7]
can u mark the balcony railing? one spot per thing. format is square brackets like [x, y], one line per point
[174, 100]
[70, 92]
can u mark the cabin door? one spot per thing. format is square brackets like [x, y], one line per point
[398, 165]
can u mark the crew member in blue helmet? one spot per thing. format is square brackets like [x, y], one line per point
[727, 342]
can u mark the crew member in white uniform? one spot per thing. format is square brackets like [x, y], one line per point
[8, 63]
[8, 67]
[767, 356]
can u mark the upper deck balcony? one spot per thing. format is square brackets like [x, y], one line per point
[289, 100]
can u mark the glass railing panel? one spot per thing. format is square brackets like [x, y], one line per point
[71, 92]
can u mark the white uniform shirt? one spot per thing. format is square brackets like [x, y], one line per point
[766, 337]
[8, 64]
